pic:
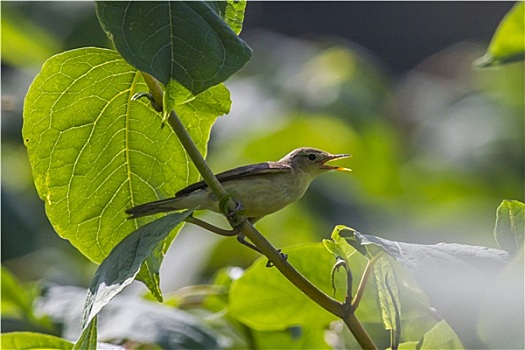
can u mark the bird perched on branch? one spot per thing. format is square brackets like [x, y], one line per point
[260, 189]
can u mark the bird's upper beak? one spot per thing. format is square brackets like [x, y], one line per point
[334, 157]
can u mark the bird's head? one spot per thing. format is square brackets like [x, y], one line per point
[313, 161]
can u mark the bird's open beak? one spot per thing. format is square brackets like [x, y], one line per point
[334, 157]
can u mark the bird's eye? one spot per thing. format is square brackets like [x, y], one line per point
[311, 156]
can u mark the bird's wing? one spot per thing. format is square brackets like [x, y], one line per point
[247, 170]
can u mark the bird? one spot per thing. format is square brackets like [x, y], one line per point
[259, 189]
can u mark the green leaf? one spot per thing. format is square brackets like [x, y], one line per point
[15, 299]
[188, 42]
[123, 263]
[264, 300]
[88, 338]
[508, 43]
[409, 345]
[510, 226]
[387, 286]
[18, 302]
[388, 292]
[178, 97]
[29, 340]
[94, 152]
[149, 272]
[232, 11]
[441, 336]
[338, 246]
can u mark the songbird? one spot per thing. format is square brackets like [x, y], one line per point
[260, 189]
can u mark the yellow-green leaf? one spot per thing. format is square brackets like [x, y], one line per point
[95, 152]
[508, 43]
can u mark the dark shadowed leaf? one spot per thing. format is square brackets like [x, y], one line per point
[123, 263]
[188, 42]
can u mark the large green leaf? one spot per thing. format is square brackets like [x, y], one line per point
[508, 43]
[189, 42]
[94, 152]
[510, 226]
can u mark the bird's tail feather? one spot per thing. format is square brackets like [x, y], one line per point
[160, 206]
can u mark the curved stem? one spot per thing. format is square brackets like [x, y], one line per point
[364, 280]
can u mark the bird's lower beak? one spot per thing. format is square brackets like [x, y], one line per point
[334, 157]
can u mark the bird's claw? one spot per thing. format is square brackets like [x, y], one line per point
[238, 208]
[232, 214]
[282, 255]
[149, 97]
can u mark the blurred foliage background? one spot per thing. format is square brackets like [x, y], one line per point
[436, 144]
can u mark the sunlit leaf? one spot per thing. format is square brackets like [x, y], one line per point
[510, 226]
[338, 246]
[508, 43]
[263, 298]
[29, 340]
[189, 42]
[388, 292]
[441, 336]
[409, 345]
[94, 152]
[232, 12]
